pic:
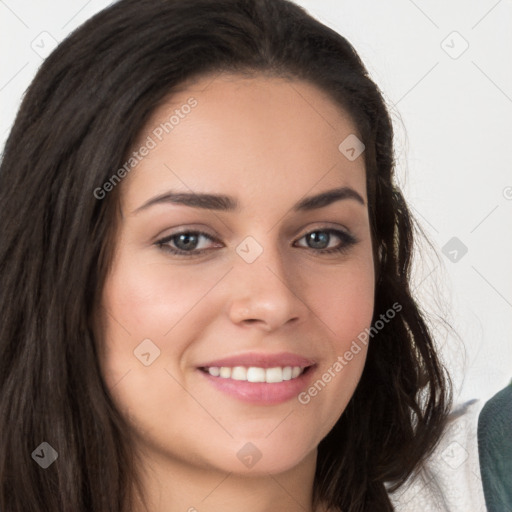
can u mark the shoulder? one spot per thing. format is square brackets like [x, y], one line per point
[450, 479]
[495, 450]
[497, 412]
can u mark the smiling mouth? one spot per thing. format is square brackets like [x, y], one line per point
[255, 374]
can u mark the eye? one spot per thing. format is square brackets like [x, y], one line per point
[194, 243]
[186, 243]
[328, 240]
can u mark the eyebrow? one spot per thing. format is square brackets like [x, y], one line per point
[230, 204]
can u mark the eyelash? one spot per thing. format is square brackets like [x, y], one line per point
[347, 241]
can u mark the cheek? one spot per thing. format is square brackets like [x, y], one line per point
[147, 310]
[344, 300]
[149, 299]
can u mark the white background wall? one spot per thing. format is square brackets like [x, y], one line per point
[452, 109]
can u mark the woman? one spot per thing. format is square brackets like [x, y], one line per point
[205, 272]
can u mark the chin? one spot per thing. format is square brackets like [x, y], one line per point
[265, 456]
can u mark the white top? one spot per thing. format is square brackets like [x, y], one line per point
[450, 480]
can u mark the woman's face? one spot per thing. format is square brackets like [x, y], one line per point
[243, 273]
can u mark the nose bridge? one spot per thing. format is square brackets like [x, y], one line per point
[262, 287]
[260, 260]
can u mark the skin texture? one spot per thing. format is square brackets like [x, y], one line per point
[269, 143]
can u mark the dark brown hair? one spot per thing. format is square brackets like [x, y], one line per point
[77, 122]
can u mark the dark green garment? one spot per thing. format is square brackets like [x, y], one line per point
[495, 451]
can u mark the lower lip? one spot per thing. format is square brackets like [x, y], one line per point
[261, 393]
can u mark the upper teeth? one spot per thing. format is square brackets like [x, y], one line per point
[255, 374]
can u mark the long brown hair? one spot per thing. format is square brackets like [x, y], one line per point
[78, 120]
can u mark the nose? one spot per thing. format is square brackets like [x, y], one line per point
[266, 293]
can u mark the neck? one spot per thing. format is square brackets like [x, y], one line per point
[173, 485]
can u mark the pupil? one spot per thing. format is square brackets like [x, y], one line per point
[319, 240]
[186, 241]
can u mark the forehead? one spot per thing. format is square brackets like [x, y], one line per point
[260, 137]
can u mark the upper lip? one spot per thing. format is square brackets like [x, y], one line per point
[261, 360]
